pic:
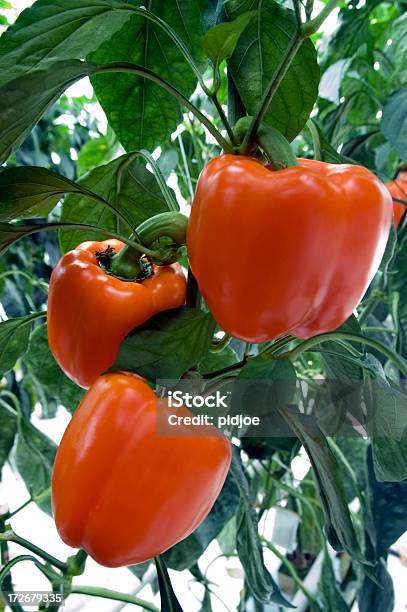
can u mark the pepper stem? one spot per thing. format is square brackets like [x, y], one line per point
[126, 264]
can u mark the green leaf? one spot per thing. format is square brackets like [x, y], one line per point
[53, 30]
[25, 100]
[248, 545]
[379, 597]
[167, 345]
[93, 153]
[354, 34]
[124, 182]
[390, 252]
[46, 371]
[339, 526]
[263, 385]
[141, 113]
[169, 601]
[220, 41]
[257, 56]
[328, 152]
[186, 553]
[339, 368]
[387, 424]
[394, 121]
[399, 47]
[388, 510]
[355, 450]
[34, 458]
[8, 429]
[14, 337]
[330, 590]
[216, 361]
[28, 191]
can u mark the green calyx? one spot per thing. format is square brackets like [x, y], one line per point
[273, 144]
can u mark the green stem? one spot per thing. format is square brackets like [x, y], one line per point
[5, 571]
[81, 226]
[271, 90]
[303, 32]
[187, 174]
[308, 345]
[10, 536]
[24, 505]
[114, 595]
[315, 139]
[168, 224]
[220, 345]
[312, 26]
[33, 281]
[150, 75]
[400, 201]
[291, 570]
[379, 330]
[223, 117]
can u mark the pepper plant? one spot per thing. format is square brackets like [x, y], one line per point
[182, 83]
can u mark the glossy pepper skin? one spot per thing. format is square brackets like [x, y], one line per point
[90, 312]
[289, 251]
[398, 189]
[121, 491]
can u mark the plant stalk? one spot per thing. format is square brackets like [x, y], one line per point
[309, 344]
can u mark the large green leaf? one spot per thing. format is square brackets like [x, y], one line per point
[25, 99]
[399, 47]
[386, 418]
[125, 183]
[388, 509]
[27, 191]
[263, 386]
[46, 371]
[394, 121]
[260, 582]
[8, 429]
[186, 553]
[34, 458]
[141, 113]
[14, 337]
[331, 593]
[258, 55]
[167, 345]
[398, 284]
[377, 596]
[339, 526]
[53, 30]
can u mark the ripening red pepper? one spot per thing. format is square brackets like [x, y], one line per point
[398, 189]
[122, 491]
[90, 312]
[289, 251]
